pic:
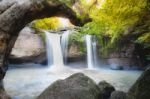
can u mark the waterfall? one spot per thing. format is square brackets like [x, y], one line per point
[64, 44]
[94, 46]
[53, 42]
[91, 51]
[48, 49]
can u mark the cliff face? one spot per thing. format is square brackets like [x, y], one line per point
[29, 48]
[28, 44]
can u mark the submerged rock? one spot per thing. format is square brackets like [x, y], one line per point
[116, 67]
[118, 95]
[4, 95]
[141, 89]
[106, 89]
[77, 86]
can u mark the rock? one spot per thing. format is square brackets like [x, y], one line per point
[130, 56]
[74, 50]
[116, 67]
[16, 14]
[77, 86]
[37, 59]
[141, 89]
[28, 44]
[4, 95]
[118, 95]
[106, 89]
[29, 48]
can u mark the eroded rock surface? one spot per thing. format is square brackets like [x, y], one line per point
[77, 86]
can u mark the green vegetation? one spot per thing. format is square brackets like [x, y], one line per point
[47, 23]
[78, 39]
[113, 20]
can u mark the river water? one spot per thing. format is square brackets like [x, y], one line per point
[28, 83]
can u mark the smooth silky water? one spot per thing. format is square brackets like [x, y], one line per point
[28, 83]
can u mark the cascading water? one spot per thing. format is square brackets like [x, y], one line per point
[94, 46]
[48, 49]
[53, 42]
[57, 49]
[64, 44]
[91, 51]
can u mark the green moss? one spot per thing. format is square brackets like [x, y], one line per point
[47, 23]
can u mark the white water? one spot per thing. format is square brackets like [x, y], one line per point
[91, 51]
[64, 44]
[54, 42]
[94, 45]
[49, 50]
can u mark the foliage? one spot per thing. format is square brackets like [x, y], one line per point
[145, 40]
[77, 39]
[47, 23]
[113, 19]
[68, 2]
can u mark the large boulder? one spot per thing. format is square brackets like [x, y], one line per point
[29, 48]
[118, 95]
[28, 44]
[106, 89]
[141, 89]
[77, 86]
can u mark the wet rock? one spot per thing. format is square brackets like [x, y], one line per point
[77, 86]
[141, 89]
[130, 56]
[106, 89]
[4, 95]
[116, 67]
[37, 59]
[118, 95]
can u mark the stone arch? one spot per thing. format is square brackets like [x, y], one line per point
[16, 14]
